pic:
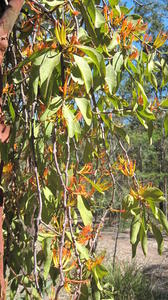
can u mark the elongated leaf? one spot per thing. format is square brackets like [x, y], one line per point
[85, 71]
[118, 61]
[143, 239]
[53, 3]
[158, 237]
[166, 124]
[96, 57]
[72, 123]
[85, 108]
[152, 193]
[135, 227]
[96, 278]
[111, 78]
[85, 213]
[163, 219]
[164, 103]
[134, 246]
[11, 110]
[47, 67]
[141, 89]
[48, 256]
[84, 253]
[99, 18]
[96, 186]
[48, 194]
[54, 106]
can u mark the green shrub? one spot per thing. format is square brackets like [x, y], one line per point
[126, 282]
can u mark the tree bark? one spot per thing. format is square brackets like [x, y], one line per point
[7, 22]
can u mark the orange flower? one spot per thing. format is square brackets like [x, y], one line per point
[92, 263]
[75, 12]
[160, 40]
[8, 168]
[85, 235]
[8, 89]
[87, 169]
[105, 10]
[139, 193]
[134, 54]
[66, 256]
[140, 100]
[126, 167]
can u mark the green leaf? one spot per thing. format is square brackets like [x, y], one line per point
[89, 23]
[53, 3]
[54, 106]
[51, 60]
[46, 244]
[45, 235]
[84, 292]
[164, 103]
[84, 253]
[166, 124]
[85, 213]
[163, 219]
[114, 41]
[118, 61]
[95, 185]
[152, 193]
[153, 81]
[85, 71]
[11, 109]
[101, 271]
[135, 227]
[141, 89]
[143, 239]
[99, 19]
[85, 108]
[134, 246]
[96, 278]
[113, 2]
[111, 78]
[72, 123]
[158, 237]
[48, 194]
[96, 57]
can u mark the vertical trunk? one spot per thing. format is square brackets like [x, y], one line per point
[7, 22]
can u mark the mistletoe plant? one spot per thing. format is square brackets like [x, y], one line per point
[63, 76]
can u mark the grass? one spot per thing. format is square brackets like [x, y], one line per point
[127, 282]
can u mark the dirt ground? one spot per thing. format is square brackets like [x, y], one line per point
[153, 264]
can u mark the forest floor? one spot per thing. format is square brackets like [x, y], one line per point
[153, 265]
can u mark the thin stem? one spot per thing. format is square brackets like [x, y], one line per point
[76, 253]
[38, 219]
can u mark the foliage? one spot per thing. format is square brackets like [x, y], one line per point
[64, 72]
[126, 281]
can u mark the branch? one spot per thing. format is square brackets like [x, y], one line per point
[38, 220]
[93, 246]
[142, 5]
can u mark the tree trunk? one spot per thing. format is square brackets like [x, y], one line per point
[7, 22]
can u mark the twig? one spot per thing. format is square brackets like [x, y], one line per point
[116, 239]
[56, 159]
[127, 157]
[38, 219]
[62, 242]
[49, 227]
[142, 5]
[76, 20]
[77, 293]
[93, 246]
